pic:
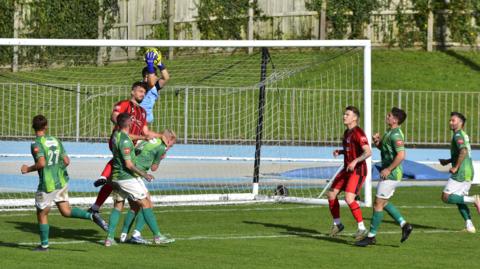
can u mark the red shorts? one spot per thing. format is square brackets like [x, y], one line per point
[348, 182]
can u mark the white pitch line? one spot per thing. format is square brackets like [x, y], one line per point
[233, 210]
[246, 237]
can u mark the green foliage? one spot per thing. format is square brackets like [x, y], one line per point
[224, 19]
[411, 27]
[345, 15]
[57, 19]
[6, 29]
[459, 21]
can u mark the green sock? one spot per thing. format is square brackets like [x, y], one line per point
[455, 199]
[113, 221]
[394, 213]
[151, 221]
[80, 214]
[128, 221]
[376, 220]
[140, 221]
[44, 229]
[464, 211]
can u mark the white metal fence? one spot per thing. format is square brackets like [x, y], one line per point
[229, 115]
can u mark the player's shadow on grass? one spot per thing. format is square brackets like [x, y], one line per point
[415, 226]
[301, 232]
[91, 235]
[310, 233]
[31, 247]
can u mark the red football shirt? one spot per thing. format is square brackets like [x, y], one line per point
[138, 115]
[353, 141]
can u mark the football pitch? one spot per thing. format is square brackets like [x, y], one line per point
[253, 236]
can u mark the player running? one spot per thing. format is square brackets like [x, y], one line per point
[51, 162]
[351, 178]
[128, 183]
[148, 156]
[458, 186]
[392, 150]
[138, 131]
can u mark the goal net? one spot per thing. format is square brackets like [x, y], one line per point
[256, 121]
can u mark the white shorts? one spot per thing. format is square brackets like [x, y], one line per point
[386, 188]
[457, 187]
[45, 199]
[133, 188]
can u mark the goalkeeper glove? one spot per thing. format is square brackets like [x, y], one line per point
[161, 66]
[150, 58]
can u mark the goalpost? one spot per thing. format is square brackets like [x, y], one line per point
[256, 121]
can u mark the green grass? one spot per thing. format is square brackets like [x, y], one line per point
[254, 236]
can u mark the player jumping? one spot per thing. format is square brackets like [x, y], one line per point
[138, 131]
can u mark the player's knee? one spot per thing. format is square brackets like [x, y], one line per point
[65, 212]
[378, 206]
[445, 197]
[331, 195]
[349, 199]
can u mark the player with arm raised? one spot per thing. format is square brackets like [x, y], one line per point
[51, 163]
[128, 183]
[351, 178]
[458, 186]
[138, 131]
[392, 150]
[148, 156]
[155, 84]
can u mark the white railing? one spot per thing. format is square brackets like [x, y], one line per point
[228, 115]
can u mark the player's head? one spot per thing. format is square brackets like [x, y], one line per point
[170, 137]
[139, 89]
[39, 123]
[145, 73]
[124, 121]
[351, 115]
[396, 116]
[457, 120]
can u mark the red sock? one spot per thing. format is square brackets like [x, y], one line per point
[107, 171]
[334, 208]
[356, 211]
[103, 194]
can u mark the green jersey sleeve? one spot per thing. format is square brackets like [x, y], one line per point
[126, 148]
[398, 142]
[37, 150]
[158, 155]
[460, 140]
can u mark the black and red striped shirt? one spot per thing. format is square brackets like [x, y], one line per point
[138, 115]
[353, 141]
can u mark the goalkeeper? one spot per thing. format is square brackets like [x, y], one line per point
[148, 156]
[155, 83]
